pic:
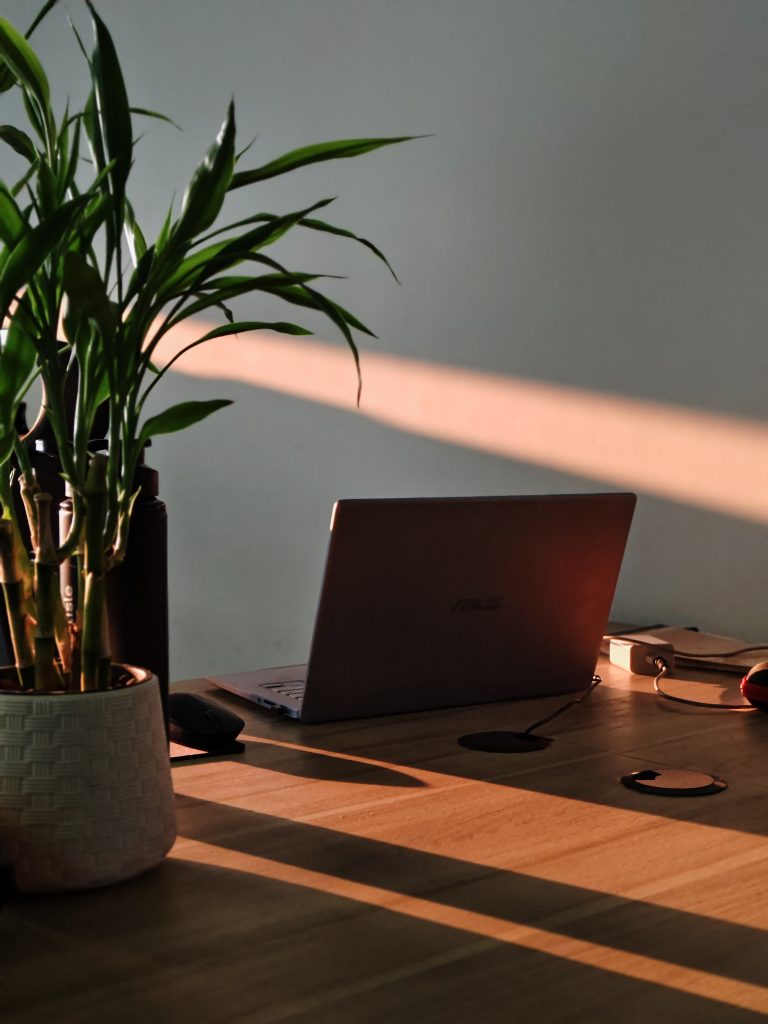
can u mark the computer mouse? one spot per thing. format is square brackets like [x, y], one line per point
[195, 721]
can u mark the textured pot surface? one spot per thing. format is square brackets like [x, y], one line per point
[86, 797]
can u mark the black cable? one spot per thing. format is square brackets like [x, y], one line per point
[596, 680]
[504, 741]
[663, 668]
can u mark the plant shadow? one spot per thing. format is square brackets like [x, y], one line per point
[229, 941]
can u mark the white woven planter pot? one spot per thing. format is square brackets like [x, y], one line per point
[86, 797]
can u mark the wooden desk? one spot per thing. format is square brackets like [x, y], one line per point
[375, 871]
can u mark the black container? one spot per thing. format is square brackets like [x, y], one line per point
[6, 647]
[137, 589]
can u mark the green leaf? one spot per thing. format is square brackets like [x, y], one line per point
[314, 154]
[92, 219]
[315, 225]
[193, 271]
[321, 225]
[87, 292]
[11, 221]
[338, 317]
[205, 192]
[303, 295]
[34, 114]
[17, 361]
[47, 193]
[112, 108]
[244, 150]
[40, 15]
[222, 332]
[243, 326]
[29, 253]
[143, 112]
[137, 244]
[230, 316]
[300, 295]
[77, 328]
[102, 391]
[18, 141]
[93, 131]
[139, 276]
[165, 231]
[179, 417]
[69, 166]
[261, 237]
[24, 63]
[227, 281]
[236, 286]
[80, 44]
[22, 182]
[7, 79]
[6, 446]
[214, 298]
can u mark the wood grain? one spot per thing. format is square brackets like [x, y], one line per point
[375, 871]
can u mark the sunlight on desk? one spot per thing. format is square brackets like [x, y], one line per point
[374, 871]
[481, 823]
[723, 989]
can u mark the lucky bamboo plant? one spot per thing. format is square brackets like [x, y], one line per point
[85, 299]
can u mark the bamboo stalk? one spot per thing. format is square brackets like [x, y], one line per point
[61, 628]
[65, 612]
[47, 676]
[12, 582]
[23, 564]
[94, 650]
[29, 488]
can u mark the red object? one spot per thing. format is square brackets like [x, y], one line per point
[754, 686]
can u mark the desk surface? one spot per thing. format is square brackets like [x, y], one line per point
[375, 871]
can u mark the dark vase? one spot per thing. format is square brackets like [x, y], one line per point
[137, 589]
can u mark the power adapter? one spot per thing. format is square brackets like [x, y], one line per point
[641, 653]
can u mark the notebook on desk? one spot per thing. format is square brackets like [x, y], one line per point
[711, 652]
[440, 602]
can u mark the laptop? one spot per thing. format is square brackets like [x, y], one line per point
[439, 602]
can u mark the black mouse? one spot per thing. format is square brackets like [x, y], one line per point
[195, 721]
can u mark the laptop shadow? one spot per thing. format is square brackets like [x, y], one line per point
[611, 734]
[325, 765]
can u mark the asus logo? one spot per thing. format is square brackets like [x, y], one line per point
[477, 604]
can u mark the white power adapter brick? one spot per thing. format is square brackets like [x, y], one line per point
[639, 654]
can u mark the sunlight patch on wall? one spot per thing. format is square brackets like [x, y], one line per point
[710, 460]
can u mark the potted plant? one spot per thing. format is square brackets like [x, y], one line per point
[85, 298]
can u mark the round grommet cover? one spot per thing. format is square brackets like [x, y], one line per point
[674, 782]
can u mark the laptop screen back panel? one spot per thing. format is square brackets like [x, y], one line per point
[430, 603]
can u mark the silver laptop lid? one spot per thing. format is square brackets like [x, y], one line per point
[438, 602]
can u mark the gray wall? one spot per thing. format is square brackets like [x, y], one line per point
[588, 212]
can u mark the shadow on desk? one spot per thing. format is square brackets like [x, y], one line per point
[326, 765]
[306, 923]
[594, 744]
[452, 910]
